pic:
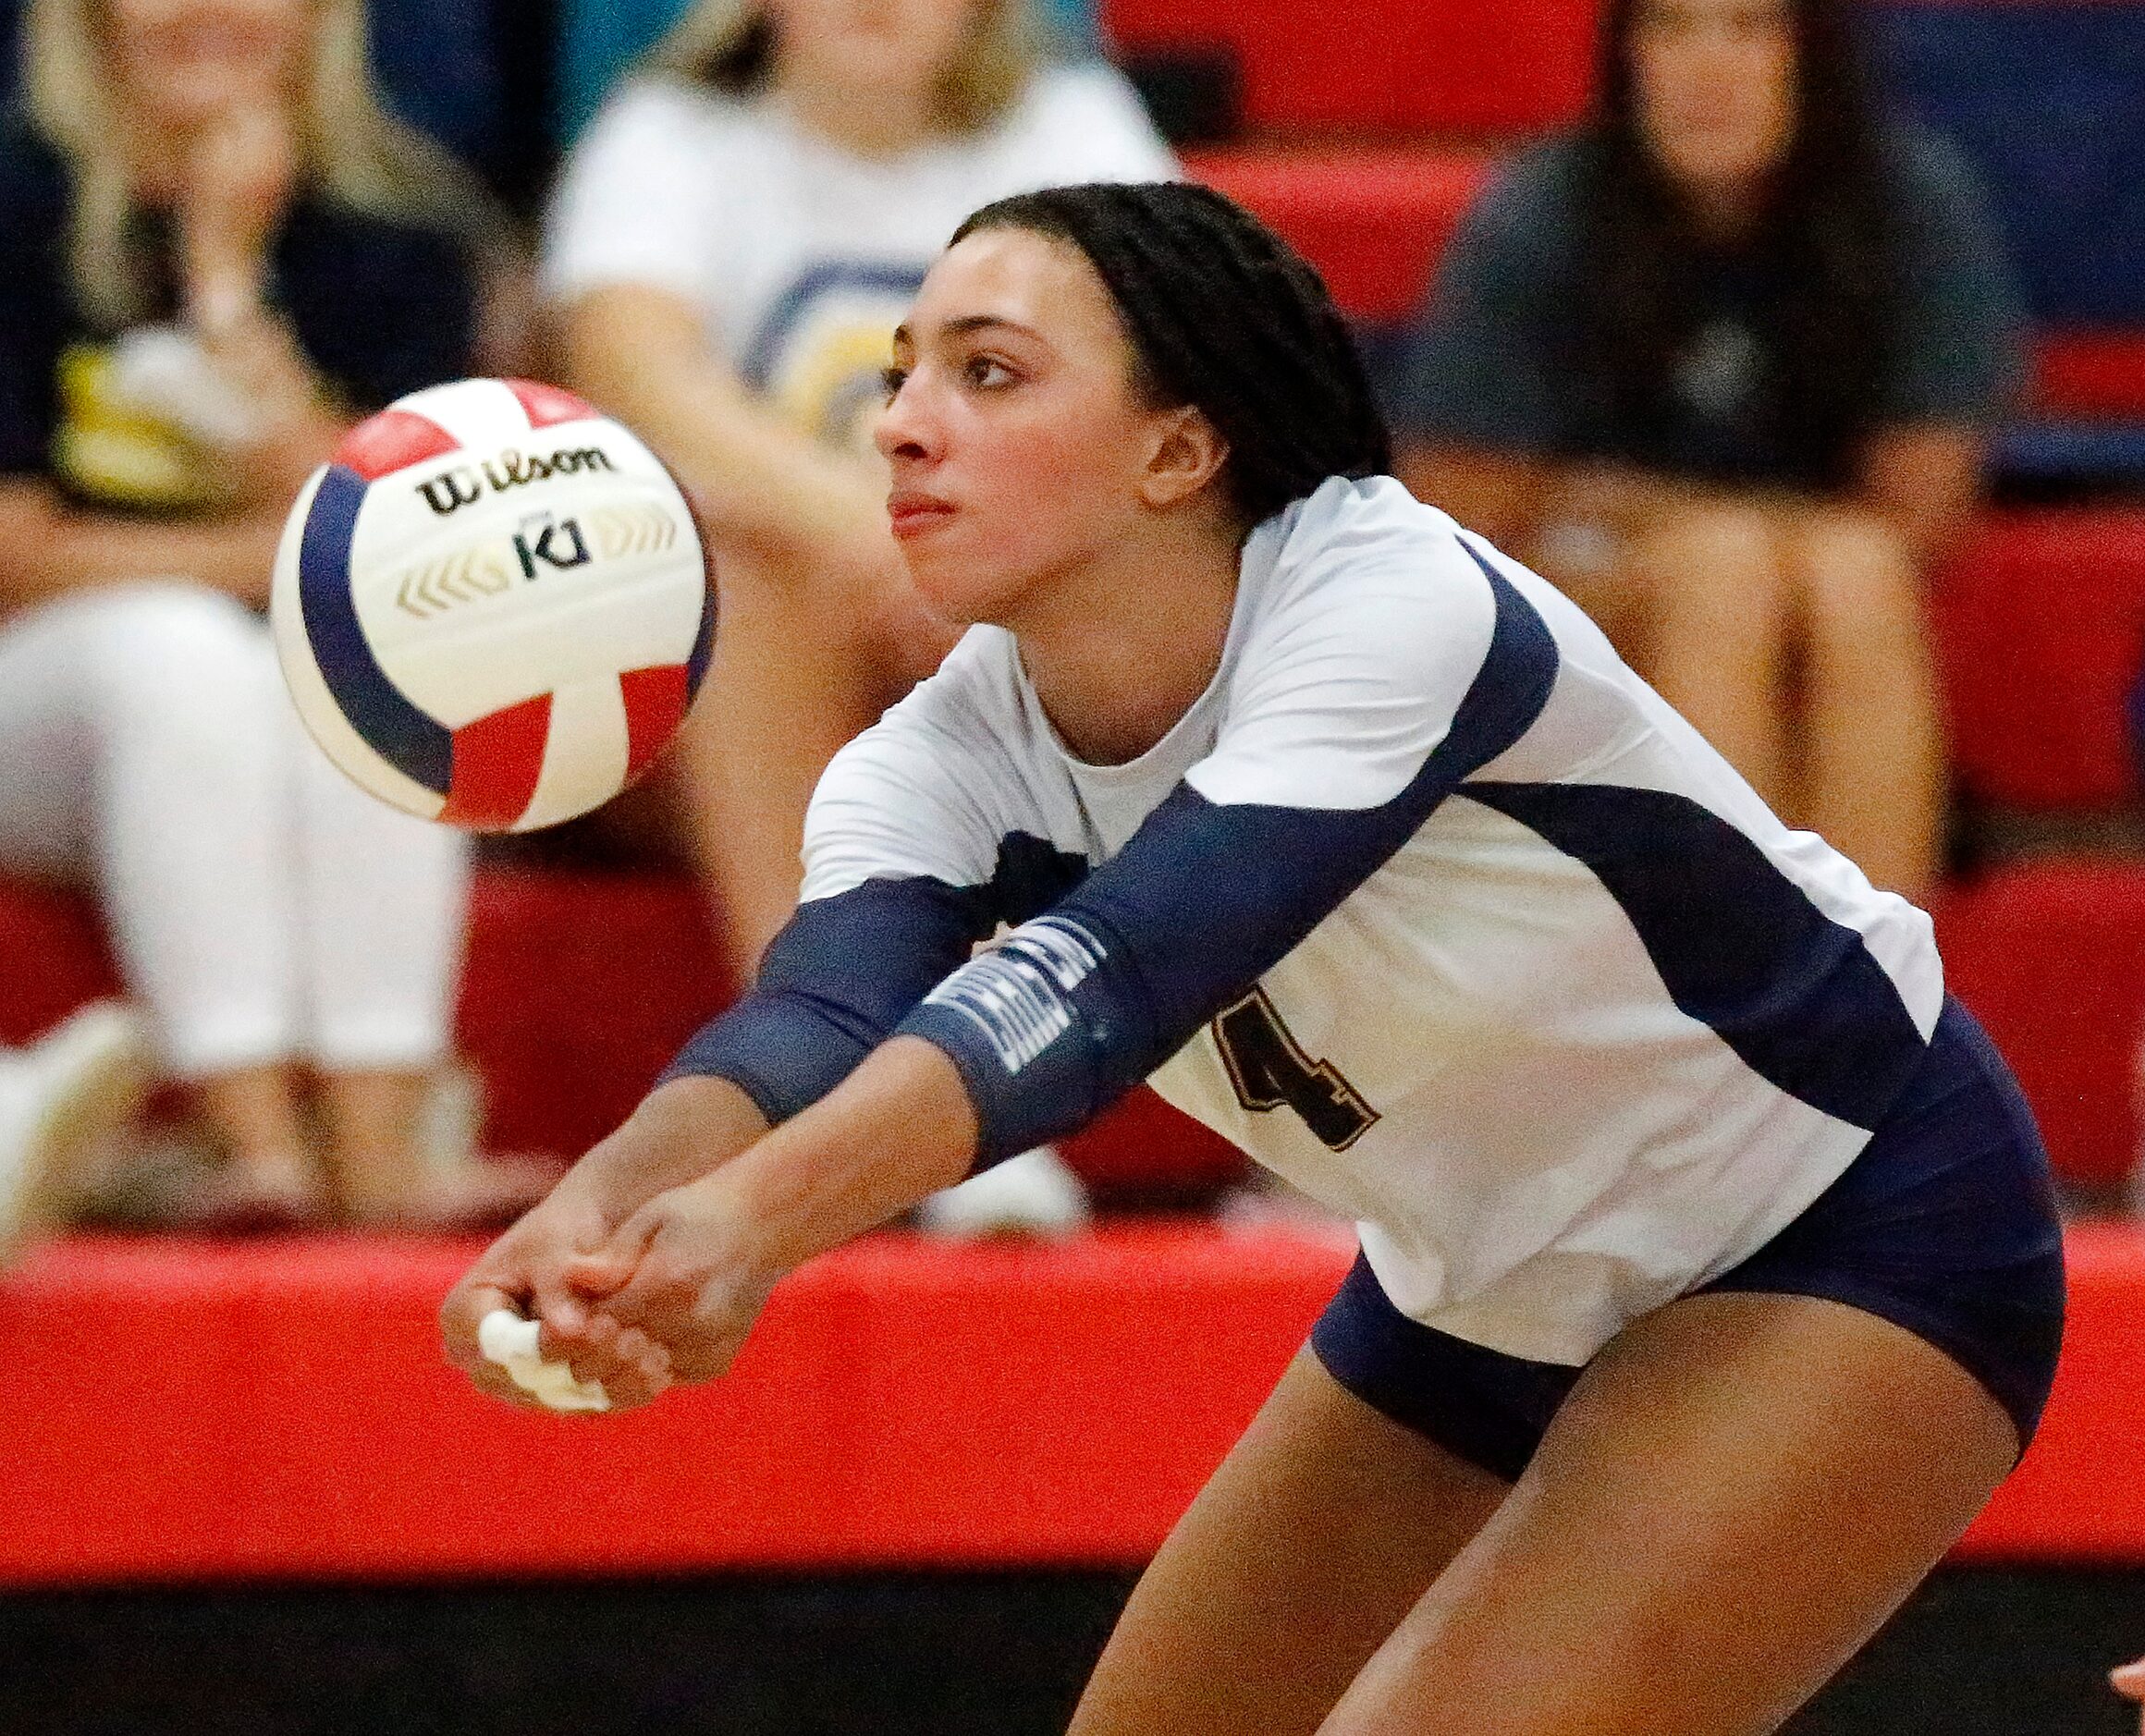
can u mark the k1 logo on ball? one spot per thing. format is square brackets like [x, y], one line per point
[509, 633]
[558, 546]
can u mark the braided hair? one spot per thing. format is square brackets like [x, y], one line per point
[1222, 314]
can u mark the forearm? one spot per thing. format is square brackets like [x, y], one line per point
[682, 1131]
[51, 550]
[761, 483]
[899, 1128]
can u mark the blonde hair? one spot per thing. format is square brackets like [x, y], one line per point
[350, 146]
[731, 45]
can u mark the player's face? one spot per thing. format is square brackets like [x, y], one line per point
[184, 62]
[1715, 83]
[1021, 445]
[898, 47]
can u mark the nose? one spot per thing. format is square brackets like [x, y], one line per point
[904, 429]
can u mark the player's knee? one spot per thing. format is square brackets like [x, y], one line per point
[1714, 568]
[180, 657]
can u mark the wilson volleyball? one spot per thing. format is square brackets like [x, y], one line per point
[491, 606]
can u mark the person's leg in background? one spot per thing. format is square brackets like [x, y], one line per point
[1716, 595]
[382, 905]
[1872, 781]
[131, 719]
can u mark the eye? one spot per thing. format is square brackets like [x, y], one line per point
[891, 380]
[987, 370]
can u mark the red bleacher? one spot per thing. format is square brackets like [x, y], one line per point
[1312, 63]
[280, 1410]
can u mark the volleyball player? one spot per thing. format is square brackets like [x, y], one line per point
[1710, 1278]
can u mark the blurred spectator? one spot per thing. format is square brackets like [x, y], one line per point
[216, 251]
[1723, 365]
[64, 1102]
[731, 247]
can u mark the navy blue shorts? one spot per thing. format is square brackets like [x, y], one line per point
[1945, 1225]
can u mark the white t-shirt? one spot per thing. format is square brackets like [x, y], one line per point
[800, 256]
[1590, 1034]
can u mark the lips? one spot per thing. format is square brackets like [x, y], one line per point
[912, 512]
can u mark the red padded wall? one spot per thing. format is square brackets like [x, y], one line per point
[1457, 66]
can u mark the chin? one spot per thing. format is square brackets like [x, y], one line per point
[956, 591]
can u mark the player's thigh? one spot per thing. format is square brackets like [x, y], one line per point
[1317, 1534]
[1737, 1493]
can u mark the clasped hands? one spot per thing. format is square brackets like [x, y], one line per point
[667, 1296]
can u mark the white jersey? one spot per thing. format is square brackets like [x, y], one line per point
[802, 257]
[1588, 1035]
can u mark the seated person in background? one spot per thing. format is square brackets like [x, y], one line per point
[732, 245]
[216, 251]
[1721, 365]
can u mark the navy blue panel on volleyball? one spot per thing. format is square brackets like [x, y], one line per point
[416, 745]
[1738, 945]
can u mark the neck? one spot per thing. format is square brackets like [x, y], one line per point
[1120, 650]
[874, 123]
[1724, 212]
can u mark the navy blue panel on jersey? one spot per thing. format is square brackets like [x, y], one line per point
[1738, 945]
[1944, 1225]
[845, 971]
[1202, 901]
[831, 986]
[414, 744]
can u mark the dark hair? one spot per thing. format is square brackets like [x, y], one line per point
[1223, 314]
[1826, 235]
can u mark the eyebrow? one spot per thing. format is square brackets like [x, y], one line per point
[968, 323]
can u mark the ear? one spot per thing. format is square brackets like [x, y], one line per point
[1188, 453]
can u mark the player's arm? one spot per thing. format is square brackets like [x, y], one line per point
[48, 548]
[642, 353]
[832, 986]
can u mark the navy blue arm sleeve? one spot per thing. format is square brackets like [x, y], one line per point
[1074, 1009]
[832, 986]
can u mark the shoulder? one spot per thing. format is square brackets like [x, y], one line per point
[1083, 118]
[36, 200]
[1537, 199]
[1942, 212]
[654, 134]
[1352, 539]
[663, 113]
[928, 789]
[1926, 167]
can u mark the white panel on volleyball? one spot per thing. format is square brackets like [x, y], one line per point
[482, 415]
[584, 753]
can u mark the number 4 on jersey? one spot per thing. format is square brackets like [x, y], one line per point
[1269, 1070]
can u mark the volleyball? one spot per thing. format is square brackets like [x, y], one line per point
[491, 606]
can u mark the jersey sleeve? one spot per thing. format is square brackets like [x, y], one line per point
[1361, 705]
[914, 851]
